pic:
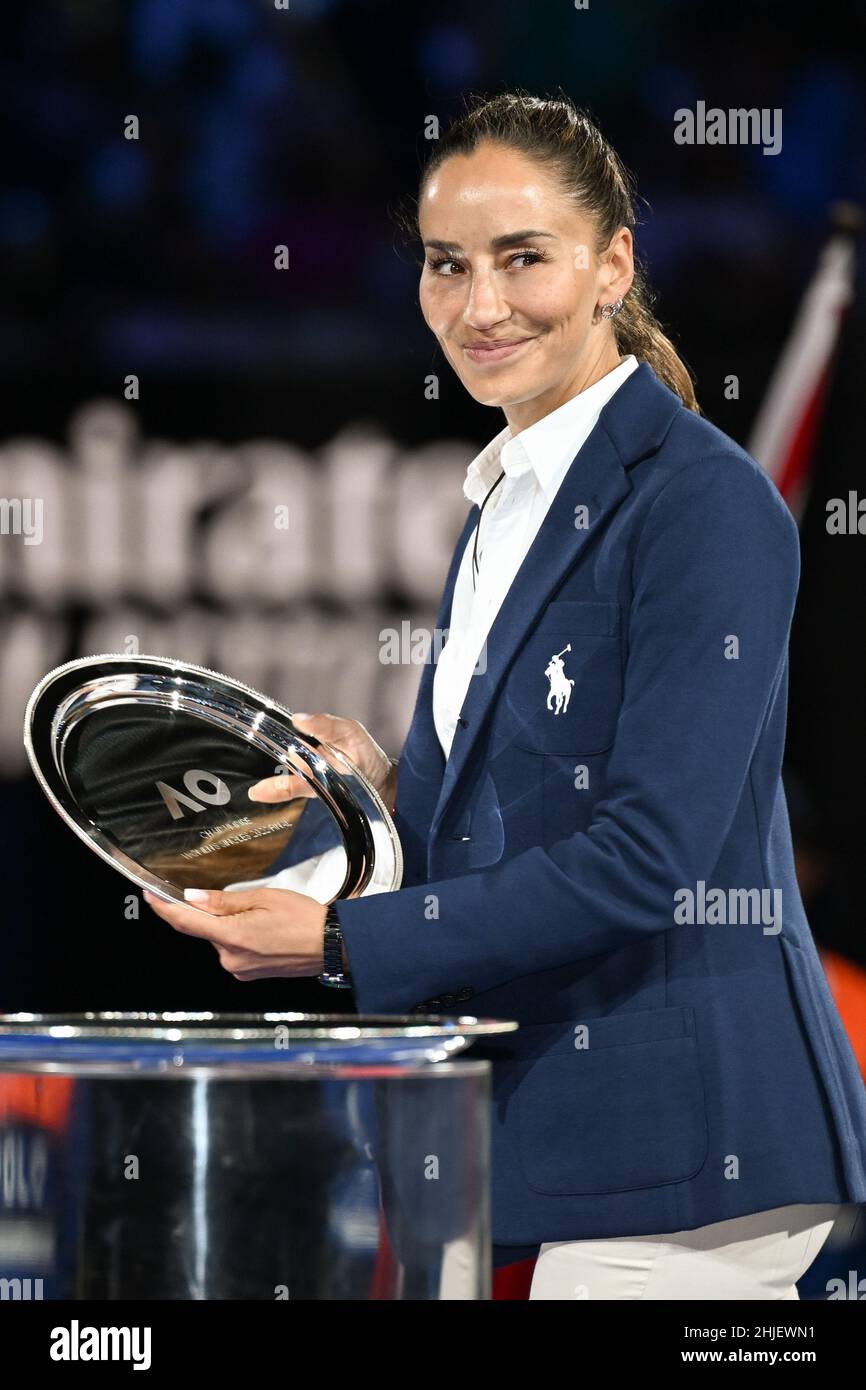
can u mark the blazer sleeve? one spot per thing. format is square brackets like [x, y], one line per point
[714, 582]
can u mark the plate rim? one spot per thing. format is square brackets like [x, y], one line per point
[248, 691]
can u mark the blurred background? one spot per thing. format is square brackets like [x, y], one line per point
[153, 258]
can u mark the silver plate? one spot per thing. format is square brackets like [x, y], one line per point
[149, 761]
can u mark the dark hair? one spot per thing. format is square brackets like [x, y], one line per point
[555, 132]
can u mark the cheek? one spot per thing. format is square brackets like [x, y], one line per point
[562, 299]
[438, 309]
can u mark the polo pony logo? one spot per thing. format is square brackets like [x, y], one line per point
[559, 693]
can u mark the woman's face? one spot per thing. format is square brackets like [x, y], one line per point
[511, 284]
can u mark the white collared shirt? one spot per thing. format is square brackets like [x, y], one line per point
[535, 462]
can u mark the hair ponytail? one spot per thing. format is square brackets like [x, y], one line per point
[637, 330]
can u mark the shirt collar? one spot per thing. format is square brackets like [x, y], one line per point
[548, 446]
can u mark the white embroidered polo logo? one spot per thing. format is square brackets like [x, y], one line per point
[559, 693]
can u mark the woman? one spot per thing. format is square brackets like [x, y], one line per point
[595, 834]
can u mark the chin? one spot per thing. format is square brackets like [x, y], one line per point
[501, 393]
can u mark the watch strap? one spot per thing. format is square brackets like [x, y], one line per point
[334, 975]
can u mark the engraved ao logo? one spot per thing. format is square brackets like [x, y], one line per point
[205, 789]
[559, 693]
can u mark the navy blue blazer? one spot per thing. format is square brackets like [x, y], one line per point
[671, 1069]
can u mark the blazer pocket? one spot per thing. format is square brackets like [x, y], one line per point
[625, 1111]
[564, 688]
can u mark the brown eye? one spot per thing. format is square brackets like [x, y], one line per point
[531, 257]
[436, 264]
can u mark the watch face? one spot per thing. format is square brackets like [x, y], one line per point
[150, 760]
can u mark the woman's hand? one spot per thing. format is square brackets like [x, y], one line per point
[262, 933]
[352, 739]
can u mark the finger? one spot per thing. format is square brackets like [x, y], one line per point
[222, 931]
[325, 726]
[283, 788]
[180, 917]
[224, 904]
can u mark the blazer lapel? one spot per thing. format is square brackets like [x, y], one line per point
[630, 426]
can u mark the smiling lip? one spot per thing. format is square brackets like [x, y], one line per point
[495, 352]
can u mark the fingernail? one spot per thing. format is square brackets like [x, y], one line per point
[253, 793]
[196, 895]
[298, 715]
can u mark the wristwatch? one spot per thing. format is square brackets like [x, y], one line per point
[334, 974]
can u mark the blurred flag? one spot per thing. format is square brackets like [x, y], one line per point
[784, 433]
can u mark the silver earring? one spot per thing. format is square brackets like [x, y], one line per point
[609, 310]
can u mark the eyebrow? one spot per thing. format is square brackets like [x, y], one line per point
[497, 242]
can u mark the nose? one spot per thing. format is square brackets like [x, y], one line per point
[485, 305]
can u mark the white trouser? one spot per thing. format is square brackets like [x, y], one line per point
[751, 1257]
